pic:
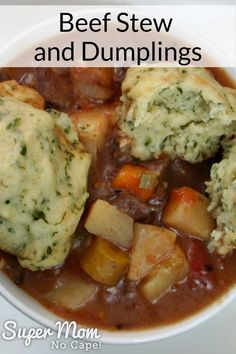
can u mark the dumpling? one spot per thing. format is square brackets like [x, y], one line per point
[43, 183]
[180, 111]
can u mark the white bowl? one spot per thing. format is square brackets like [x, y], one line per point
[27, 305]
[31, 308]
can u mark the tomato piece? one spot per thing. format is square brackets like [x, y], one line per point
[201, 270]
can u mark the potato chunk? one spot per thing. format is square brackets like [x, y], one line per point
[72, 291]
[186, 211]
[110, 223]
[151, 244]
[21, 93]
[93, 126]
[104, 262]
[166, 274]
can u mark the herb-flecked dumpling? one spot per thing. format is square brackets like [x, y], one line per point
[183, 112]
[43, 183]
[222, 191]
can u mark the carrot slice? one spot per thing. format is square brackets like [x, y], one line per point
[138, 180]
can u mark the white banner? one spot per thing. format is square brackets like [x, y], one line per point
[68, 36]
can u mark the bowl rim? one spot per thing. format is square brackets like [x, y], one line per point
[32, 309]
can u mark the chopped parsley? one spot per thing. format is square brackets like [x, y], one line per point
[23, 150]
[49, 250]
[14, 123]
[179, 89]
[39, 214]
[148, 141]
[67, 129]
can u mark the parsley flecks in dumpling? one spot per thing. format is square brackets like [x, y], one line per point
[43, 184]
[222, 192]
[183, 112]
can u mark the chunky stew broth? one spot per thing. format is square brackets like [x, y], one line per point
[123, 307]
